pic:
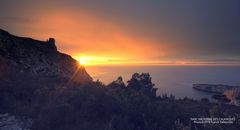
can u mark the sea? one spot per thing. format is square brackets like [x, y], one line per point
[175, 80]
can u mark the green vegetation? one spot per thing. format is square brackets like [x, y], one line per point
[95, 106]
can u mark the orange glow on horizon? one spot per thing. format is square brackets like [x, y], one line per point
[97, 60]
[99, 41]
[95, 41]
[114, 61]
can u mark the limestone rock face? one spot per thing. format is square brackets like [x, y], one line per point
[9, 122]
[20, 56]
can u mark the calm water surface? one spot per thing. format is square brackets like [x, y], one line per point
[176, 80]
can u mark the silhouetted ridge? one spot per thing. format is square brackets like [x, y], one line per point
[9, 41]
[28, 56]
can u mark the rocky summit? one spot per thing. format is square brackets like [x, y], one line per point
[24, 59]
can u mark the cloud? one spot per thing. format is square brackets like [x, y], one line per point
[149, 30]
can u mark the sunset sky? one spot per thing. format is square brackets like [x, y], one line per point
[132, 31]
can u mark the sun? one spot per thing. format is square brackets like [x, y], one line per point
[83, 61]
[97, 60]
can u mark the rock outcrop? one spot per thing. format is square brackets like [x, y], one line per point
[8, 122]
[223, 93]
[28, 58]
[215, 88]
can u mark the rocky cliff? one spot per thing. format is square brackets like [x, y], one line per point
[36, 61]
[8, 122]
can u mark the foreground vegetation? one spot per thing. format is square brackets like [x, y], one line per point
[116, 106]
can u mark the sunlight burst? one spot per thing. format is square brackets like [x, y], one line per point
[83, 61]
[96, 60]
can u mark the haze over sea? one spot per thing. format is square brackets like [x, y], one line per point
[176, 80]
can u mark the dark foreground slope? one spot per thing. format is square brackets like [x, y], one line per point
[37, 92]
[130, 107]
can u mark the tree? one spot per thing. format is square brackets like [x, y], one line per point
[142, 83]
[117, 83]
